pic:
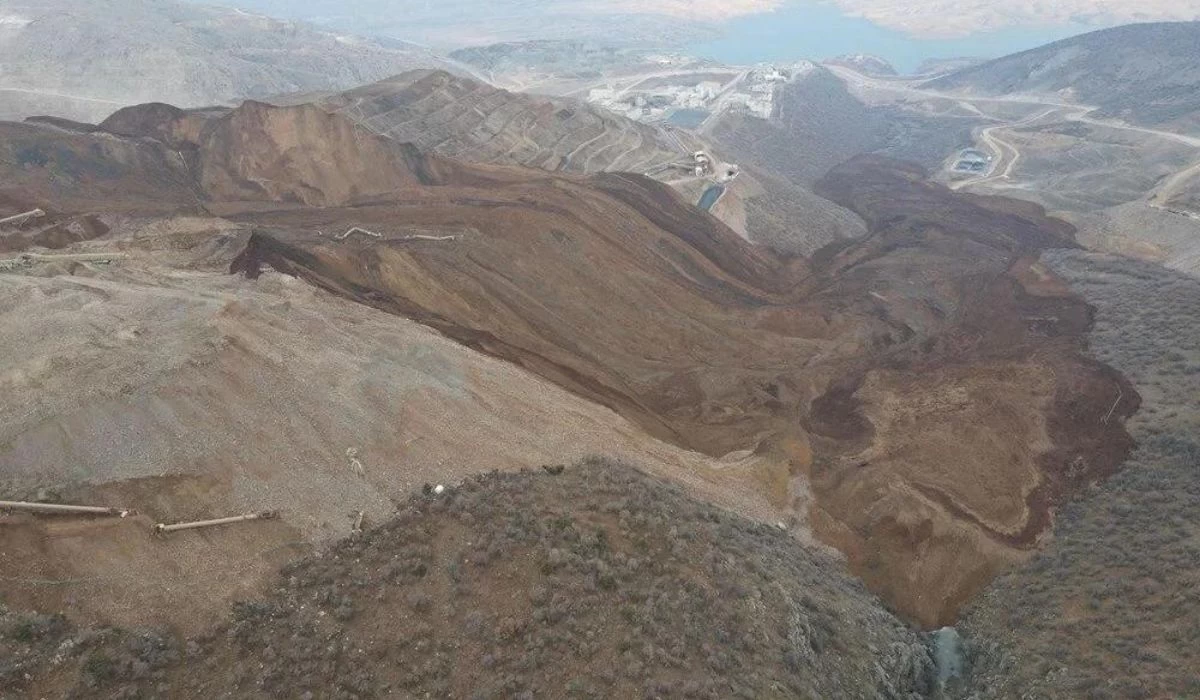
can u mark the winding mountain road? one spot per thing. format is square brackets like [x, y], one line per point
[1008, 155]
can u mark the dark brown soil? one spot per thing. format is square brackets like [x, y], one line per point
[617, 289]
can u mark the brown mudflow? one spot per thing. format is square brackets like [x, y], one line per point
[924, 381]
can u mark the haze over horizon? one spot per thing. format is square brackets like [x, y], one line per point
[744, 31]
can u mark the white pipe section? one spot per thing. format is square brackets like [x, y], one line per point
[19, 218]
[60, 509]
[163, 528]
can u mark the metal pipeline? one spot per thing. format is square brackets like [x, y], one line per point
[163, 528]
[60, 509]
[21, 218]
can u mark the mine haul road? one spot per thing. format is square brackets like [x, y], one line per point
[1007, 155]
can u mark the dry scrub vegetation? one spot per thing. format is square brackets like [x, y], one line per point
[1111, 608]
[597, 582]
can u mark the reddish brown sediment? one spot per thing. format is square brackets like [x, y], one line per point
[932, 371]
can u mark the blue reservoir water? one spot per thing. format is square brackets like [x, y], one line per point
[710, 197]
[816, 30]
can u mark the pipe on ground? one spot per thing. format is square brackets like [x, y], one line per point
[61, 509]
[163, 528]
[21, 218]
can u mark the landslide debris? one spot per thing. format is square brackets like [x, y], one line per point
[1111, 609]
[597, 582]
[885, 380]
[916, 397]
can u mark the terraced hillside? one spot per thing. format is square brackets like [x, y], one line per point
[596, 582]
[469, 120]
[473, 121]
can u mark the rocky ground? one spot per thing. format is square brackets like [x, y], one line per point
[596, 581]
[162, 383]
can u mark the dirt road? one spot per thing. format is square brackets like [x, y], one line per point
[1008, 155]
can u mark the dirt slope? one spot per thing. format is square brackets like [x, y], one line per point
[599, 582]
[938, 324]
[162, 383]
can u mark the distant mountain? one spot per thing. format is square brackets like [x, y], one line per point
[457, 23]
[83, 59]
[1147, 74]
[865, 64]
[563, 58]
[941, 19]
[938, 66]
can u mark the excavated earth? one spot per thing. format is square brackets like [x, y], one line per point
[916, 398]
